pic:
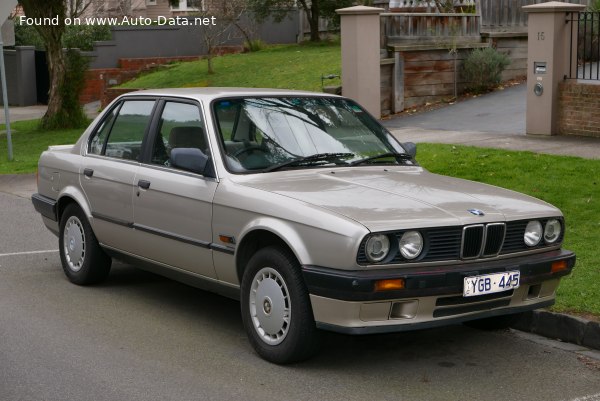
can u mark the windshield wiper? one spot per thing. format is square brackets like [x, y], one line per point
[316, 158]
[398, 156]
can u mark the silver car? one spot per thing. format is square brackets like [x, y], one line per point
[304, 208]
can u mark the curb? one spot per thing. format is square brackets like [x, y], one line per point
[563, 327]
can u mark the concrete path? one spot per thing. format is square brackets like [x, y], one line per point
[38, 111]
[496, 120]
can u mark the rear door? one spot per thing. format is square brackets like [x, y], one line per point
[109, 167]
[173, 207]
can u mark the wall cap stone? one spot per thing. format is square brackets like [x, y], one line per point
[359, 10]
[553, 7]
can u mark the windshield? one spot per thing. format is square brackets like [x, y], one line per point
[264, 134]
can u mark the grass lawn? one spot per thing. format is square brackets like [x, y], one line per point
[570, 183]
[286, 66]
[28, 143]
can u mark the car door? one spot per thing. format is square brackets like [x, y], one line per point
[109, 168]
[172, 207]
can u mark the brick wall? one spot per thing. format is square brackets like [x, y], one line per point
[579, 106]
[99, 79]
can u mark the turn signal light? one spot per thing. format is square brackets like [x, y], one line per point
[559, 266]
[389, 285]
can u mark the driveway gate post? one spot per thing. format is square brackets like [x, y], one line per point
[361, 60]
[548, 60]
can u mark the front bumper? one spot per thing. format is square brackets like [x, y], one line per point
[345, 301]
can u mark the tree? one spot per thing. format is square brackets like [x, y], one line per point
[52, 37]
[227, 15]
[62, 111]
[314, 10]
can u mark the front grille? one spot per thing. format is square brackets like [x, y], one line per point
[473, 245]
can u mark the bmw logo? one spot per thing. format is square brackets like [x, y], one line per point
[476, 212]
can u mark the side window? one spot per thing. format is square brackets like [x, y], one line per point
[125, 131]
[180, 126]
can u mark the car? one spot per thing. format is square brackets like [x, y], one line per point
[303, 207]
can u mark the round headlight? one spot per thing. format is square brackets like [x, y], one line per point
[377, 247]
[552, 231]
[533, 233]
[411, 244]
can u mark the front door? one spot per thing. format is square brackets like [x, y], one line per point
[173, 207]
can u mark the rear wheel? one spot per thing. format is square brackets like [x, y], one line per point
[495, 322]
[83, 261]
[276, 309]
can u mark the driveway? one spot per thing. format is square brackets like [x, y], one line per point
[502, 111]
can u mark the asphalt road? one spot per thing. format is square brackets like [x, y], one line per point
[142, 337]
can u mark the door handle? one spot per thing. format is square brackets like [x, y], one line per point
[144, 184]
[88, 172]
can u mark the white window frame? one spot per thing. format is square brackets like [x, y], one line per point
[183, 6]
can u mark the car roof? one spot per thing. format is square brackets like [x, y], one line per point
[210, 93]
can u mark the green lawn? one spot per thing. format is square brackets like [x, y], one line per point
[28, 143]
[570, 183]
[286, 66]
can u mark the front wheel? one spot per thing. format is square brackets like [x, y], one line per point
[83, 261]
[276, 309]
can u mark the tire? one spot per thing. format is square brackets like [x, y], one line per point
[83, 261]
[494, 323]
[276, 309]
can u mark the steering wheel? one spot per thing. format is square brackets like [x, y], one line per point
[249, 149]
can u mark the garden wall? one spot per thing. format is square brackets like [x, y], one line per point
[417, 75]
[177, 41]
[578, 109]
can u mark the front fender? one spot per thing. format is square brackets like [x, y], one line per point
[311, 245]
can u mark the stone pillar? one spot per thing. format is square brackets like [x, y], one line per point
[361, 65]
[548, 57]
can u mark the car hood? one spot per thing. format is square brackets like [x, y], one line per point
[400, 197]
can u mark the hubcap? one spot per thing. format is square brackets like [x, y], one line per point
[74, 244]
[270, 306]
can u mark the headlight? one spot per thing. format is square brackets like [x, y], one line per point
[533, 233]
[377, 247]
[411, 244]
[552, 231]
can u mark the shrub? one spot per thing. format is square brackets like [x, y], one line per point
[254, 45]
[483, 67]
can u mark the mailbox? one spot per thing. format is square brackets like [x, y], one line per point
[539, 67]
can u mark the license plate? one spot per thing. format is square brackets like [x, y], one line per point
[491, 283]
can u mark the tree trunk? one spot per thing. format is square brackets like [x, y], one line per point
[56, 69]
[312, 13]
[314, 26]
[52, 37]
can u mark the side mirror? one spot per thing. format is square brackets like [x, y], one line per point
[411, 148]
[189, 159]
